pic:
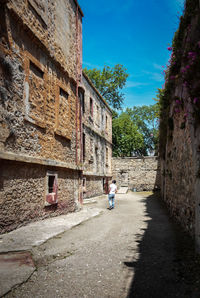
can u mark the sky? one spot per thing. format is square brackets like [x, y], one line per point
[134, 33]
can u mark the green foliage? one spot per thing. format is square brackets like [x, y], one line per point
[126, 138]
[146, 119]
[135, 131]
[109, 82]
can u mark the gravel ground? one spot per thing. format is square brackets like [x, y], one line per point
[134, 250]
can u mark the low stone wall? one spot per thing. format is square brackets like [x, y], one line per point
[139, 174]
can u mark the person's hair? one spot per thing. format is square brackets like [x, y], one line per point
[114, 181]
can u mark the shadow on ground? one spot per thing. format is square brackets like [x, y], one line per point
[167, 265]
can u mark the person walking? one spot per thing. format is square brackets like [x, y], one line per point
[111, 194]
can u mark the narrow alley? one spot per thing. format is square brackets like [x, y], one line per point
[134, 250]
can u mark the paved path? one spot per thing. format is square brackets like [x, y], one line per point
[131, 251]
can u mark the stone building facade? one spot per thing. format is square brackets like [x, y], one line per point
[41, 126]
[138, 174]
[180, 125]
[96, 139]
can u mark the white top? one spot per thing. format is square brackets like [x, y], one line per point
[113, 188]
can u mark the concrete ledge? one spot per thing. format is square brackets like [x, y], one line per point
[35, 160]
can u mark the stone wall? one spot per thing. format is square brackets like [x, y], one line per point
[94, 186]
[38, 111]
[23, 193]
[40, 134]
[180, 125]
[136, 173]
[97, 133]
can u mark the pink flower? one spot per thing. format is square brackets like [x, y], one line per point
[177, 110]
[169, 48]
[178, 102]
[195, 100]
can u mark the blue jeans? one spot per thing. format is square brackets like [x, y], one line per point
[111, 198]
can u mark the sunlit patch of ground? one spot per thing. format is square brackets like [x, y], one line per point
[144, 193]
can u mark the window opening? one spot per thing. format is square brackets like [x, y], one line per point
[91, 106]
[36, 70]
[52, 189]
[82, 99]
[106, 156]
[50, 183]
[84, 151]
[106, 122]
[63, 93]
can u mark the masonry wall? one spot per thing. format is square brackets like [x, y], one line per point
[23, 193]
[39, 69]
[97, 130]
[139, 174]
[180, 126]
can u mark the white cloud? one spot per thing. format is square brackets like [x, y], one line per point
[157, 66]
[90, 65]
[155, 76]
[131, 84]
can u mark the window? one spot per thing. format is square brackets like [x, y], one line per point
[106, 122]
[81, 96]
[84, 151]
[36, 70]
[97, 158]
[52, 189]
[91, 107]
[51, 183]
[64, 94]
[98, 115]
[106, 156]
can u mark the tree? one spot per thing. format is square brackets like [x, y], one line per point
[127, 140]
[146, 119]
[109, 83]
[135, 131]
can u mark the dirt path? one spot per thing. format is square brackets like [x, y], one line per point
[131, 251]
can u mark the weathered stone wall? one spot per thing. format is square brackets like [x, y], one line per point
[39, 111]
[180, 125]
[97, 130]
[136, 173]
[23, 191]
[39, 69]
[94, 186]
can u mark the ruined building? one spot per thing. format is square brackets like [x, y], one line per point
[45, 125]
[180, 124]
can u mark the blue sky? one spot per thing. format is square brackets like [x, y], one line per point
[134, 33]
